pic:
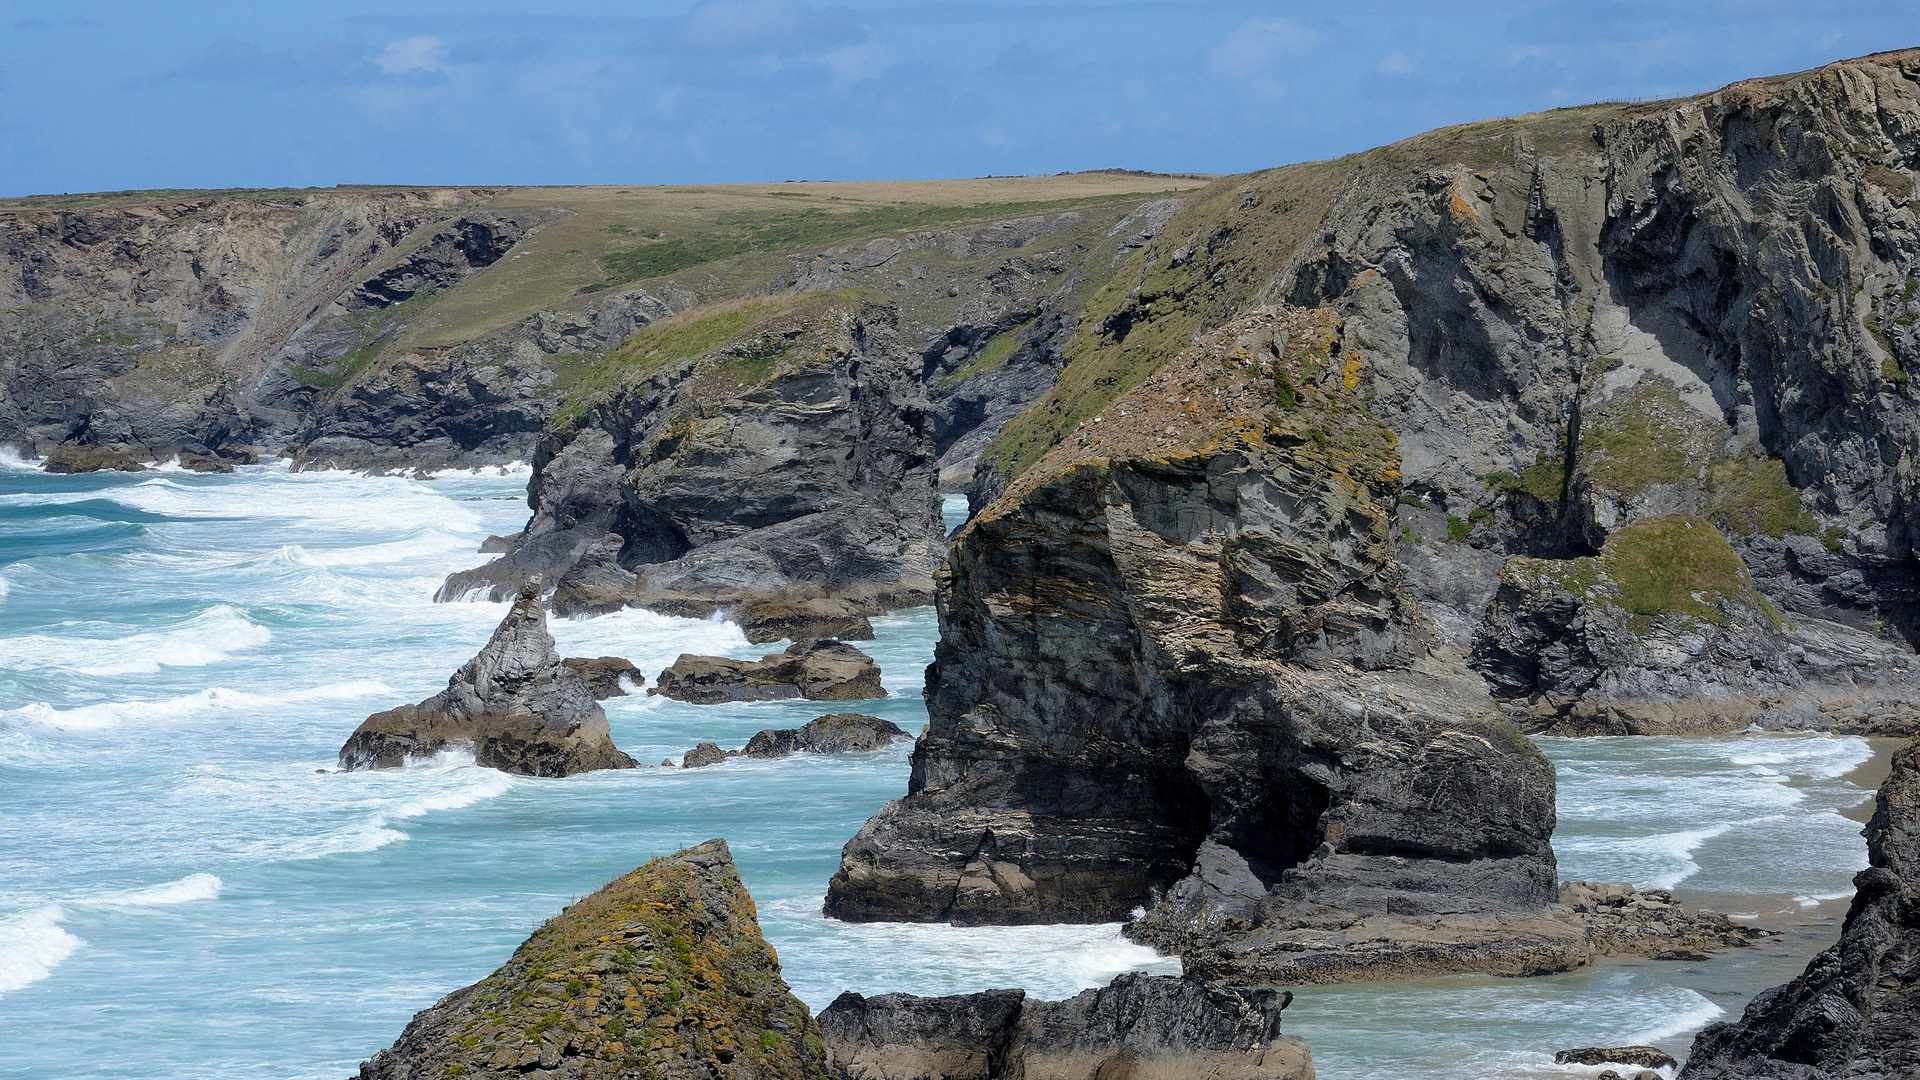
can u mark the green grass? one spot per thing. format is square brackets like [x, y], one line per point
[992, 358]
[1676, 565]
[1751, 495]
[1646, 442]
[1458, 529]
[662, 257]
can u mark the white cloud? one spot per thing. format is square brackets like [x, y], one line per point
[413, 56]
[1256, 45]
[1395, 64]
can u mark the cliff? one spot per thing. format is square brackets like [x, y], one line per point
[662, 973]
[1850, 1013]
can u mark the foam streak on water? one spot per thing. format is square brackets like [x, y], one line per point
[188, 889]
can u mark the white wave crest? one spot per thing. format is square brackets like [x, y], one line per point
[217, 698]
[185, 891]
[11, 461]
[1694, 1016]
[1816, 899]
[460, 782]
[210, 637]
[520, 469]
[32, 944]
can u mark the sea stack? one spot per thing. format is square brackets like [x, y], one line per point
[516, 704]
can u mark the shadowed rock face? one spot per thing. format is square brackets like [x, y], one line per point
[607, 676]
[662, 973]
[515, 704]
[1176, 660]
[1141, 1026]
[823, 670]
[793, 465]
[1851, 1013]
[841, 733]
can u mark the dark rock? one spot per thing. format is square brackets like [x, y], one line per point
[820, 617]
[663, 972]
[790, 464]
[497, 545]
[607, 676]
[86, 459]
[841, 733]
[1851, 1012]
[704, 755]
[515, 704]
[819, 670]
[1646, 1057]
[1143, 1026]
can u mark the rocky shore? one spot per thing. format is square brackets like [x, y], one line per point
[814, 669]
[516, 705]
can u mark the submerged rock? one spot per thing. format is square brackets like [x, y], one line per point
[1146, 1027]
[797, 620]
[1851, 1012]
[607, 676]
[841, 733]
[663, 973]
[817, 670]
[516, 704]
[1645, 1057]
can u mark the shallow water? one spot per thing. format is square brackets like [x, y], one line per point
[184, 892]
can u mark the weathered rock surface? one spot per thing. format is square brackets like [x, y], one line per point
[1646, 1057]
[791, 463]
[705, 754]
[662, 973]
[607, 676]
[1144, 1026]
[817, 670]
[820, 617]
[1851, 1013]
[1176, 669]
[840, 733]
[516, 705]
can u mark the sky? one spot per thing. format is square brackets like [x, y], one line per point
[103, 96]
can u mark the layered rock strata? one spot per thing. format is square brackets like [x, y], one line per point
[1851, 1013]
[1177, 668]
[817, 670]
[662, 973]
[820, 617]
[788, 465]
[1144, 1026]
[516, 705]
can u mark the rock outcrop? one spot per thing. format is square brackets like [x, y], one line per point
[707, 753]
[817, 670]
[1177, 668]
[820, 617]
[788, 463]
[1143, 1026]
[840, 733]
[1851, 1013]
[516, 705]
[662, 973]
[1642, 1057]
[607, 676]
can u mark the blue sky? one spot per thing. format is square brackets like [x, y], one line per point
[108, 97]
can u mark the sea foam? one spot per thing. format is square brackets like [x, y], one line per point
[216, 698]
[32, 944]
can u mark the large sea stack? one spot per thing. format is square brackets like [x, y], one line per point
[516, 705]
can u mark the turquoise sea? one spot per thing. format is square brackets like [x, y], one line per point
[188, 891]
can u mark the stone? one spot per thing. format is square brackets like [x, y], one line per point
[840, 733]
[515, 705]
[1149, 1027]
[1850, 1013]
[608, 676]
[820, 617]
[663, 971]
[86, 459]
[1645, 1057]
[704, 755]
[817, 670]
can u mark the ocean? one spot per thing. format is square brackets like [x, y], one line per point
[188, 890]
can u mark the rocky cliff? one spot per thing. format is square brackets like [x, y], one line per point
[516, 705]
[1151, 1027]
[662, 973]
[1850, 1014]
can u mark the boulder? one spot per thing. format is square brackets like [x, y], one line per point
[817, 670]
[1851, 1013]
[86, 459]
[663, 973]
[607, 676]
[515, 704]
[1145, 1027]
[797, 620]
[1645, 1057]
[703, 755]
[841, 733]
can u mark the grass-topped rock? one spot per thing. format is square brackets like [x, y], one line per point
[662, 974]
[1662, 632]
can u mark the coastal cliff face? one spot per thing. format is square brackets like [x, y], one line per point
[1850, 1014]
[1178, 655]
[792, 462]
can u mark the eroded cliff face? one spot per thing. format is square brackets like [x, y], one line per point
[791, 462]
[1178, 667]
